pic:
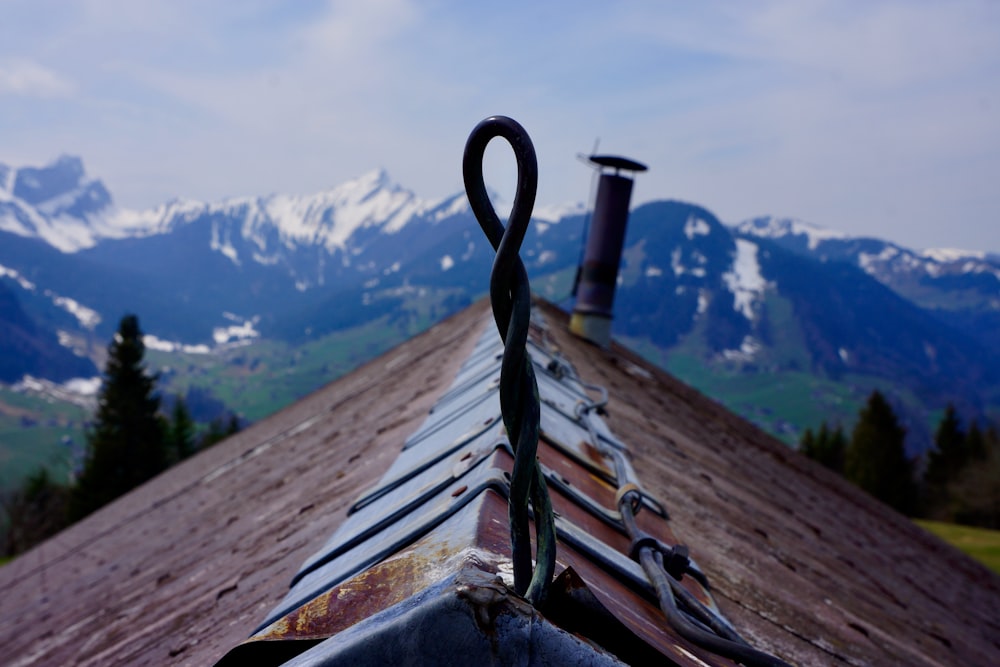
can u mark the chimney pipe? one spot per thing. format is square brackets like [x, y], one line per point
[598, 275]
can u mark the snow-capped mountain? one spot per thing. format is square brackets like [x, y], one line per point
[58, 204]
[769, 296]
[191, 267]
[730, 290]
[962, 286]
[885, 261]
[306, 237]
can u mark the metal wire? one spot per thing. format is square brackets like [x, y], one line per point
[510, 297]
[699, 625]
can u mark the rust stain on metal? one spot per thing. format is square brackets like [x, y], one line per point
[375, 589]
[593, 452]
[487, 599]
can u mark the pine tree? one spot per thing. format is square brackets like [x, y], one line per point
[949, 453]
[219, 429]
[126, 445]
[233, 426]
[975, 442]
[974, 493]
[807, 445]
[35, 511]
[876, 457]
[827, 447]
[180, 432]
[944, 462]
[836, 450]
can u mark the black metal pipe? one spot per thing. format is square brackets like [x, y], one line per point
[597, 276]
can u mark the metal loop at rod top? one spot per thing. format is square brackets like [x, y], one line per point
[527, 181]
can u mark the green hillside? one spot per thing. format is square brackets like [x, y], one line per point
[37, 431]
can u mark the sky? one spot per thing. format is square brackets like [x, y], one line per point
[873, 117]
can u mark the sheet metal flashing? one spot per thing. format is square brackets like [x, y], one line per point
[421, 568]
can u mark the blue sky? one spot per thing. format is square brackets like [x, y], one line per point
[873, 117]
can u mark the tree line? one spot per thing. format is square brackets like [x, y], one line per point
[957, 481]
[130, 441]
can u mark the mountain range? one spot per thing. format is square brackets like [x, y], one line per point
[789, 312]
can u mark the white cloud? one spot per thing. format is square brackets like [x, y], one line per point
[29, 79]
[873, 115]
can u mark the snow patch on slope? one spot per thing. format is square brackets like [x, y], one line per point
[87, 317]
[17, 277]
[747, 351]
[745, 280]
[242, 332]
[78, 391]
[696, 227]
[153, 343]
[702, 302]
[867, 260]
[222, 243]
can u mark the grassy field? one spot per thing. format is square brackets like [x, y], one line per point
[37, 431]
[981, 544]
[260, 378]
[781, 402]
[786, 402]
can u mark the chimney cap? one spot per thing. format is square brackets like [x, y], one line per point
[617, 162]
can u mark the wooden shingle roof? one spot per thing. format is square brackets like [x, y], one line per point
[185, 567]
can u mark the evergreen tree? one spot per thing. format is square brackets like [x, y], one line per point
[827, 447]
[35, 511]
[876, 457]
[836, 450]
[126, 445]
[944, 462]
[219, 429]
[807, 445]
[975, 442]
[180, 431]
[974, 493]
[949, 453]
[233, 427]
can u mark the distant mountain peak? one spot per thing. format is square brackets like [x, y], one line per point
[374, 179]
[559, 211]
[56, 203]
[329, 218]
[772, 227]
[39, 185]
[946, 255]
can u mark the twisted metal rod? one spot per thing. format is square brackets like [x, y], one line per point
[510, 296]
